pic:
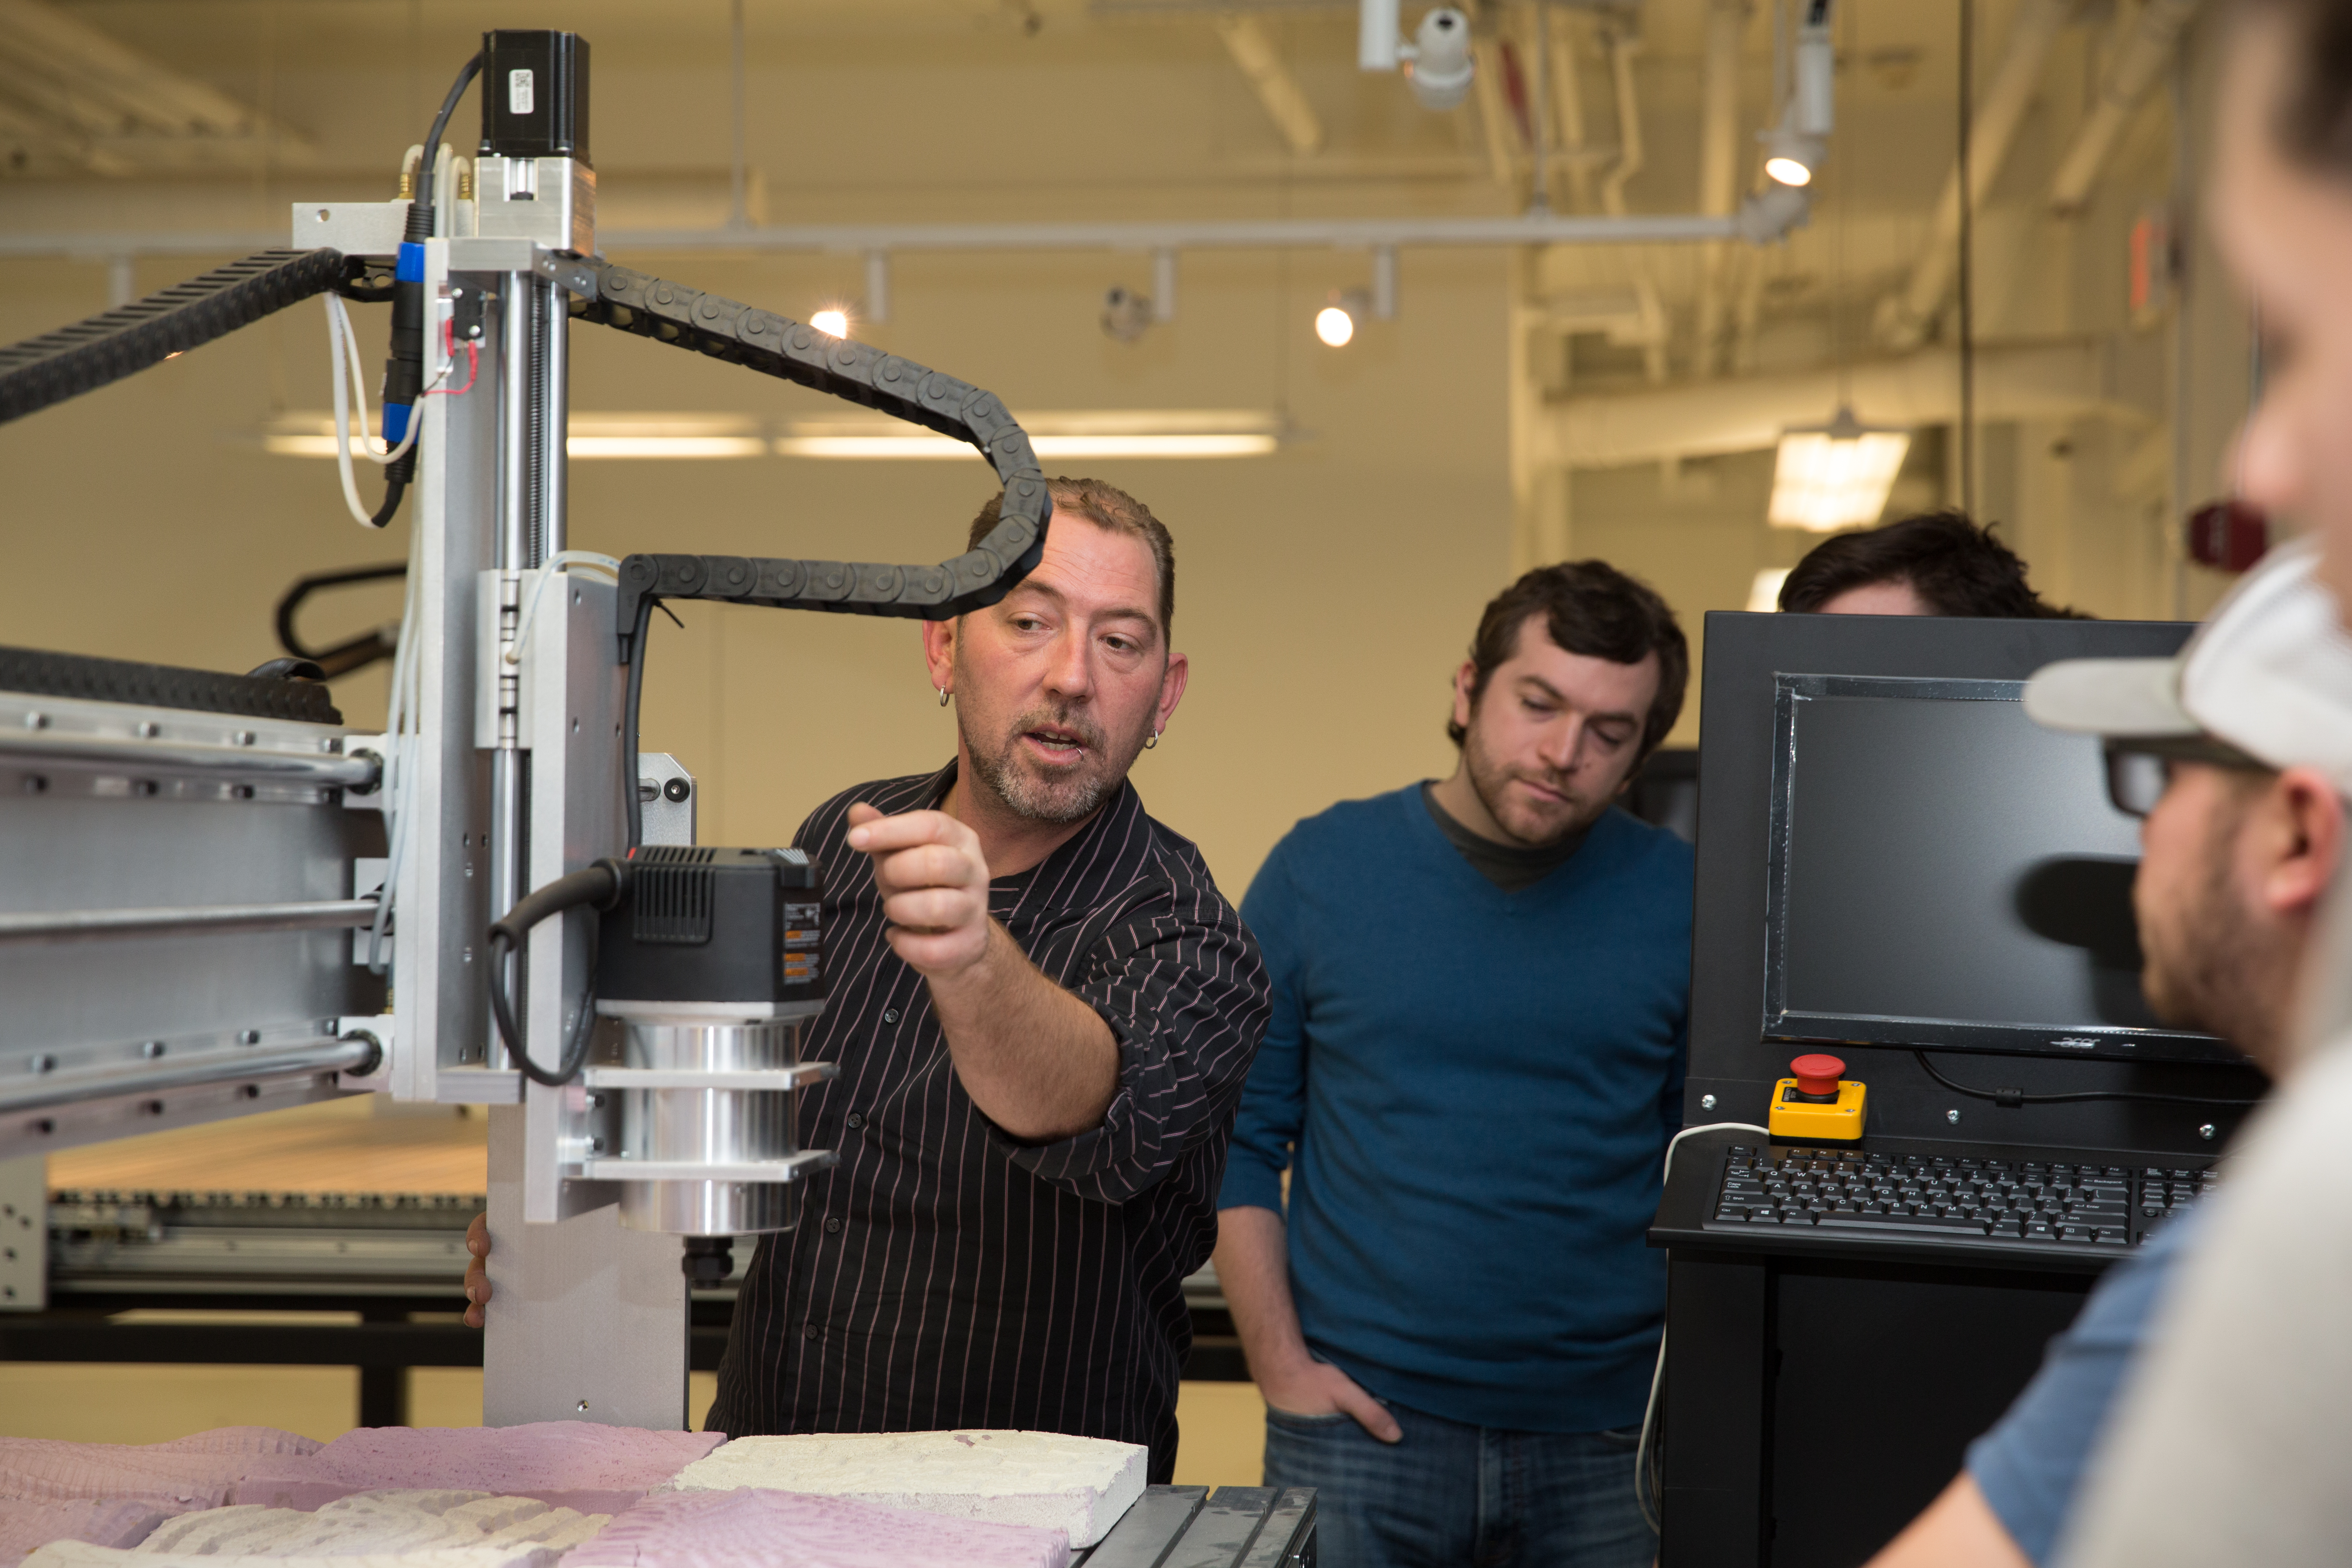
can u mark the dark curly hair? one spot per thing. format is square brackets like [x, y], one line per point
[1589, 607]
[1955, 567]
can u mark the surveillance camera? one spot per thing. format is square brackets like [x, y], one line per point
[1126, 314]
[1441, 66]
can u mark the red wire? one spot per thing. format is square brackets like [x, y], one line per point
[449, 351]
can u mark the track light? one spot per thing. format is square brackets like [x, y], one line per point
[833, 321]
[1790, 157]
[1126, 314]
[1335, 323]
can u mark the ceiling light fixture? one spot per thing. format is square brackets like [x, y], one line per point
[1115, 433]
[833, 321]
[1336, 322]
[590, 435]
[1790, 157]
[1118, 432]
[1835, 476]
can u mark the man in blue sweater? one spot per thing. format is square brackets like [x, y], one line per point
[1481, 994]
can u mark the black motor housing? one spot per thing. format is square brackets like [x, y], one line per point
[703, 924]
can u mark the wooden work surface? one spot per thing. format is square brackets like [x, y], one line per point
[341, 1146]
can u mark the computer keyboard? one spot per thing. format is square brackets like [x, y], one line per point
[1974, 1202]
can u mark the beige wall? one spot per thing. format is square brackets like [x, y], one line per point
[1325, 592]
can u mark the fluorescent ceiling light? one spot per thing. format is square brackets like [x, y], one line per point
[1082, 434]
[591, 435]
[1836, 475]
[1764, 593]
[1095, 432]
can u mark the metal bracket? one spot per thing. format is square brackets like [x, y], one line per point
[778, 1079]
[808, 1161]
[495, 254]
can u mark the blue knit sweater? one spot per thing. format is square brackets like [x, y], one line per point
[1473, 1090]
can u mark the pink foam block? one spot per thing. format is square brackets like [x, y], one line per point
[753, 1528]
[25, 1526]
[188, 1472]
[564, 1464]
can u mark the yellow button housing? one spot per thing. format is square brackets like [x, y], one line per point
[1811, 1123]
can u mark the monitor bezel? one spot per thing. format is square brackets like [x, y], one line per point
[1783, 1025]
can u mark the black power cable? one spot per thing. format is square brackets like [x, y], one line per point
[343, 658]
[433, 149]
[599, 887]
[2013, 1097]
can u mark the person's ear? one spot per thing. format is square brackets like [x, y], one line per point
[1465, 683]
[938, 651]
[2306, 841]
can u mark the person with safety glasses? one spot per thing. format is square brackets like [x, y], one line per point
[2234, 755]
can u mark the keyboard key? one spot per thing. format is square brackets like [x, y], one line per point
[1739, 1216]
[2040, 1230]
[2010, 1229]
[2111, 1236]
[1953, 1224]
[2076, 1233]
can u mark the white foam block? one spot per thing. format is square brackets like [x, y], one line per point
[748, 1528]
[1046, 1479]
[79, 1554]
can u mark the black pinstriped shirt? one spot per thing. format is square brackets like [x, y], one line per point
[945, 1274]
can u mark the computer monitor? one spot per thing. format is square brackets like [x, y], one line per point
[1945, 873]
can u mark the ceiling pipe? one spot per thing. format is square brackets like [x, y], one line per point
[1568, 110]
[2040, 381]
[1760, 220]
[1718, 166]
[1269, 76]
[1904, 318]
[1631, 154]
[2155, 34]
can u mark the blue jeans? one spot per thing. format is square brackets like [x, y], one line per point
[1450, 1496]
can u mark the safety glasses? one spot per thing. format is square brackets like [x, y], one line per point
[2140, 770]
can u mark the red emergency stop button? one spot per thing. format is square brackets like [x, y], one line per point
[1817, 1074]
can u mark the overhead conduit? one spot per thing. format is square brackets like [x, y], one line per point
[2135, 68]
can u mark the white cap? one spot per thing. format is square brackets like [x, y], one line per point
[2270, 673]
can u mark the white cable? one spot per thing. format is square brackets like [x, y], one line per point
[343, 324]
[561, 558]
[344, 367]
[1642, 1497]
[335, 323]
[400, 706]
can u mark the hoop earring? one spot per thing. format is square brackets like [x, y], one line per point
[1152, 743]
[943, 695]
